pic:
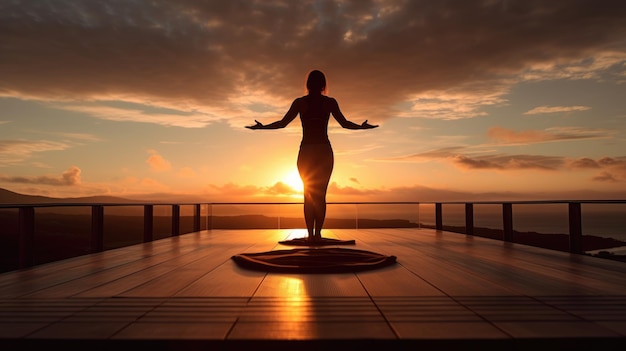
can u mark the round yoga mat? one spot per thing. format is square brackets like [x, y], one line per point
[314, 260]
[319, 242]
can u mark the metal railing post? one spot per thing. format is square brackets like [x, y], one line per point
[26, 233]
[469, 218]
[419, 219]
[438, 216]
[97, 228]
[209, 216]
[175, 220]
[575, 228]
[196, 217]
[507, 221]
[148, 223]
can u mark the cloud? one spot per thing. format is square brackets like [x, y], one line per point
[175, 118]
[605, 177]
[508, 136]
[135, 185]
[225, 58]
[509, 162]
[70, 177]
[584, 163]
[467, 159]
[555, 109]
[613, 169]
[157, 162]
[279, 188]
[435, 154]
[233, 192]
[17, 151]
[455, 103]
[335, 189]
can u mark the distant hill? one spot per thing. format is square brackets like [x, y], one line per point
[10, 197]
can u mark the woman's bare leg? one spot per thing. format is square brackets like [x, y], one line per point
[309, 214]
[320, 211]
[315, 165]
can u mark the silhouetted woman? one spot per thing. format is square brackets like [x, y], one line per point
[315, 159]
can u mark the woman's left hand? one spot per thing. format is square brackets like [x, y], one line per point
[258, 125]
[366, 125]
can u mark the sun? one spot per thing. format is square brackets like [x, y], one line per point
[292, 179]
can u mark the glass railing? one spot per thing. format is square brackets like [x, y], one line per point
[32, 234]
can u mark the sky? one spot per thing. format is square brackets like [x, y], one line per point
[475, 100]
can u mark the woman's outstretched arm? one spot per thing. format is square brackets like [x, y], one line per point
[344, 122]
[282, 123]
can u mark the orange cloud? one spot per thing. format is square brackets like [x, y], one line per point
[555, 109]
[157, 162]
[508, 136]
[17, 151]
[279, 188]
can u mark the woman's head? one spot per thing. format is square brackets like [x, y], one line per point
[316, 82]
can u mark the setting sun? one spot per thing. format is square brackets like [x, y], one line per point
[292, 179]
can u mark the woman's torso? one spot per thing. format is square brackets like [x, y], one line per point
[314, 115]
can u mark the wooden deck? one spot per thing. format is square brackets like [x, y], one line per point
[447, 290]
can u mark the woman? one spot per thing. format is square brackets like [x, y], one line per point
[315, 159]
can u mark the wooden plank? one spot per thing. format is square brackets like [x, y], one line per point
[508, 266]
[396, 281]
[306, 318]
[66, 270]
[212, 274]
[427, 263]
[292, 285]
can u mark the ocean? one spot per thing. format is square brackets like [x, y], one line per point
[604, 220]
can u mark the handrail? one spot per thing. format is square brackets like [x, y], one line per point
[520, 202]
[26, 219]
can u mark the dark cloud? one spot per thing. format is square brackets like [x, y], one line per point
[614, 169]
[68, 178]
[605, 177]
[461, 157]
[376, 53]
[466, 162]
[584, 162]
[510, 162]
